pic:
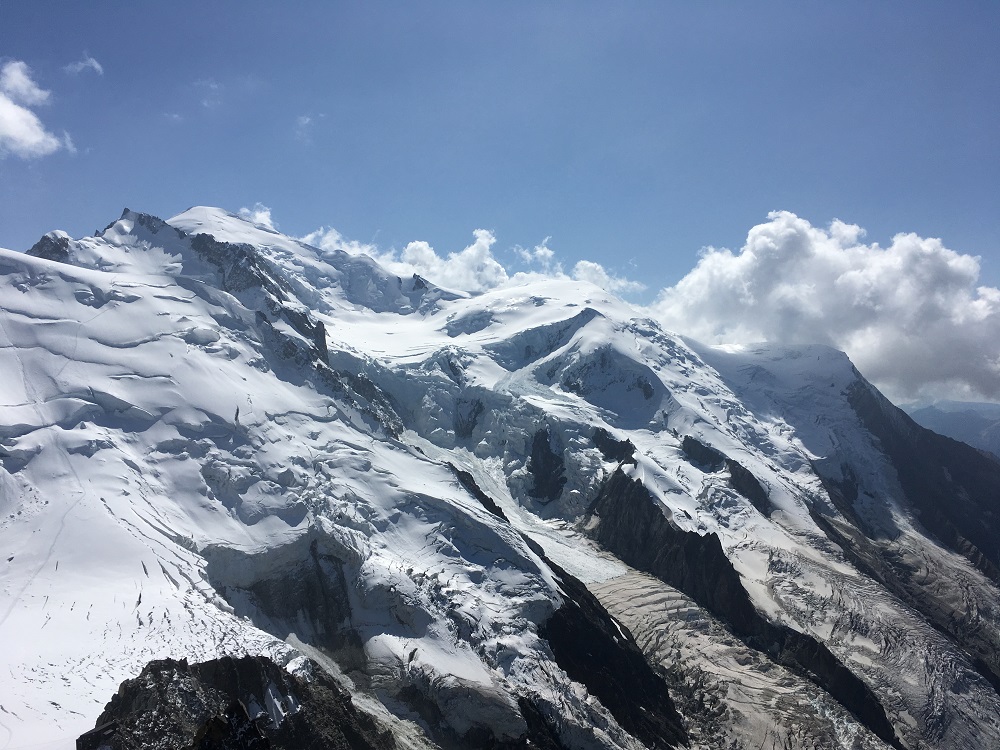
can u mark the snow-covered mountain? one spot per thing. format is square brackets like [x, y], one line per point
[528, 517]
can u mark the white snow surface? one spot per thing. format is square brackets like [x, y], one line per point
[145, 421]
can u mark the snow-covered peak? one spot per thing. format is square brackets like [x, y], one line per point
[225, 226]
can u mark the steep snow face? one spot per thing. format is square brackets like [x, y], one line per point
[218, 440]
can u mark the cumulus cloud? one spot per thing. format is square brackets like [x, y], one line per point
[259, 215]
[87, 63]
[16, 83]
[541, 257]
[474, 269]
[21, 131]
[588, 270]
[912, 315]
[329, 239]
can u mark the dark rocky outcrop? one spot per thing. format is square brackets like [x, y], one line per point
[542, 734]
[51, 247]
[466, 480]
[233, 704]
[467, 413]
[703, 456]
[547, 468]
[233, 730]
[613, 449]
[744, 482]
[631, 525]
[708, 459]
[596, 650]
[240, 266]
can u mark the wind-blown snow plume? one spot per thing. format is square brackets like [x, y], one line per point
[910, 315]
[21, 131]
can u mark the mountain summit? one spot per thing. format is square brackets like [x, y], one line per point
[523, 518]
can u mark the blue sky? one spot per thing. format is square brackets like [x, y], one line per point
[629, 134]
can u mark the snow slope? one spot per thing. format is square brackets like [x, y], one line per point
[202, 416]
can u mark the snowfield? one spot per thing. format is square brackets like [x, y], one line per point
[216, 440]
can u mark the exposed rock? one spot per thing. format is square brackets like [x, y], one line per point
[52, 246]
[467, 413]
[233, 704]
[596, 650]
[466, 479]
[708, 459]
[613, 449]
[741, 480]
[546, 467]
[703, 456]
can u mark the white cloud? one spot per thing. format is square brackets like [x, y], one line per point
[16, 83]
[541, 256]
[595, 273]
[259, 215]
[911, 315]
[21, 131]
[329, 239]
[87, 63]
[474, 269]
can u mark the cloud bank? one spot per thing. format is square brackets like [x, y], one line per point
[475, 268]
[911, 316]
[22, 133]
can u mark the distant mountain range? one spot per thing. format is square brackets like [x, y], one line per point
[975, 423]
[258, 494]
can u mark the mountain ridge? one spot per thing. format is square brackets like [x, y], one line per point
[285, 451]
